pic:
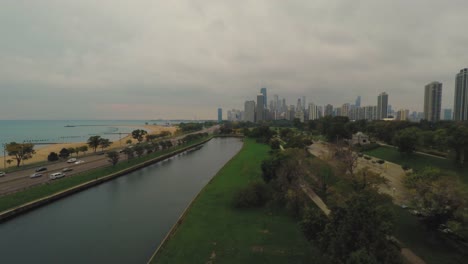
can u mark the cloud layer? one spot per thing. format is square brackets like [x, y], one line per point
[145, 59]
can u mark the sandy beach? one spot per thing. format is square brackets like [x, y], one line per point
[43, 151]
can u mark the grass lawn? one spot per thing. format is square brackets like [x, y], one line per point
[432, 247]
[16, 199]
[215, 232]
[418, 161]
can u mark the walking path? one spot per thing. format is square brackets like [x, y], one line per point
[391, 172]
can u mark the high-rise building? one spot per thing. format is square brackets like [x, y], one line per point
[304, 103]
[447, 114]
[358, 101]
[220, 115]
[249, 111]
[460, 105]
[382, 106]
[345, 110]
[264, 92]
[432, 101]
[402, 115]
[328, 110]
[260, 114]
[370, 112]
[313, 112]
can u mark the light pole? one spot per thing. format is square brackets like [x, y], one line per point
[4, 156]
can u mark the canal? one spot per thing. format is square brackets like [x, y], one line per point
[121, 221]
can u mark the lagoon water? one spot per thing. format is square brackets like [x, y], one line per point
[54, 131]
[121, 221]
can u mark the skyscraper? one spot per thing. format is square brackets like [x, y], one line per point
[260, 115]
[264, 92]
[460, 105]
[249, 111]
[313, 112]
[432, 101]
[448, 114]
[304, 103]
[358, 101]
[382, 106]
[220, 115]
[345, 110]
[328, 110]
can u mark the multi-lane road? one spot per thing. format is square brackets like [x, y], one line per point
[21, 179]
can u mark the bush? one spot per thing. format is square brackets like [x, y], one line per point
[53, 157]
[255, 194]
[405, 167]
[367, 157]
[313, 222]
[380, 161]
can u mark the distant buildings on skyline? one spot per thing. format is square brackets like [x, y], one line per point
[277, 108]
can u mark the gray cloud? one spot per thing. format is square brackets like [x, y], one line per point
[145, 59]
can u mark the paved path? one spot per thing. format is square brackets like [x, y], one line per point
[393, 172]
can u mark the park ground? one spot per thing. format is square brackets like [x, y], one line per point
[213, 231]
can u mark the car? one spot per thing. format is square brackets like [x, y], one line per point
[35, 175]
[56, 175]
[2, 173]
[71, 160]
[79, 161]
[41, 169]
[67, 169]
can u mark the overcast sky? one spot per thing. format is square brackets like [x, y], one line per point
[148, 59]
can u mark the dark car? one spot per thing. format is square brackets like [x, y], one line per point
[41, 169]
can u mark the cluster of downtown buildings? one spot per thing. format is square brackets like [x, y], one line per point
[276, 109]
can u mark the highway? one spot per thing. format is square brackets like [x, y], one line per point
[20, 180]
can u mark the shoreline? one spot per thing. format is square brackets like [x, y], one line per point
[42, 151]
[24, 208]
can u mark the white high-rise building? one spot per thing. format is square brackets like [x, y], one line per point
[249, 111]
[313, 112]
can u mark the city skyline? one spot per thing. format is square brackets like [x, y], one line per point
[139, 60]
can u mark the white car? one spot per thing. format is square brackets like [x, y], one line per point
[35, 175]
[79, 161]
[56, 175]
[2, 173]
[71, 160]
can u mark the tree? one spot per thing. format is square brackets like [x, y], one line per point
[64, 153]
[94, 142]
[139, 134]
[129, 152]
[84, 149]
[113, 157]
[407, 139]
[53, 156]
[71, 151]
[139, 150]
[458, 141]
[77, 151]
[363, 223]
[436, 196]
[104, 143]
[128, 142]
[20, 151]
[9, 161]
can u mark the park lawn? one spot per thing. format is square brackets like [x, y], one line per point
[40, 191]
[430, 246]
[215, 232]
[418, 161]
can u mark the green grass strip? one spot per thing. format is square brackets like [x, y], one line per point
[215, 232]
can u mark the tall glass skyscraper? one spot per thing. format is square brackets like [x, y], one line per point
[220, 115]
[382, 106]
[460, 105]
[264, 92]
[432, 101]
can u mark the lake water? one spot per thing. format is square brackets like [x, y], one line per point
[55, 131]
[121, 221]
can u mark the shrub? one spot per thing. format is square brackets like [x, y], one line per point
[53, 156]
[380, 161]
[405, 167]
[367, 147]
[255, 194]
[367, 157]
[313, 222]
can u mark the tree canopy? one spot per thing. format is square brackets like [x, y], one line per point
[20, 151]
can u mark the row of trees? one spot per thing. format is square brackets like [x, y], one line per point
[95, 142]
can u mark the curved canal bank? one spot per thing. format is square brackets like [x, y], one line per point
[121, 221]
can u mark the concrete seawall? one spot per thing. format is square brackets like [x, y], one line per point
[11, 213]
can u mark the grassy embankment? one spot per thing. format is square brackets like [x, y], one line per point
[37, 192]
[432, 247]
[214, 231]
